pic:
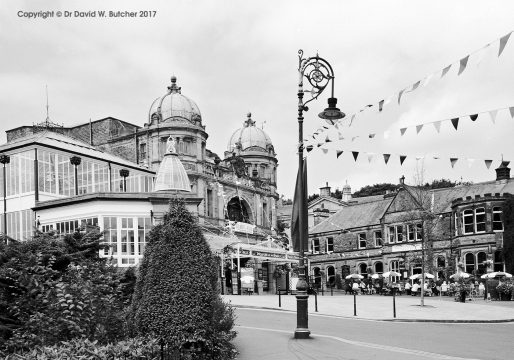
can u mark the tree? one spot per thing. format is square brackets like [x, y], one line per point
[176, 296]
[377, 189]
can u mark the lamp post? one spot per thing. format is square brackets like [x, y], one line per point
[5, 159]
[75, 161]
[124, 173]
[319, 74]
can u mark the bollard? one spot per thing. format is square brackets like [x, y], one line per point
[394, 302]
[331, 290]
[354, 303]
[279, 296]
[322, 293]
[316, 301]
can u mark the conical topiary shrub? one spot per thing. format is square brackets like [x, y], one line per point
[176, 295]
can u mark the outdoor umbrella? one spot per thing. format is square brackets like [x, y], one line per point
[354, 276]
[391, 273]
[499, 274]
[376, 276]
[419, 276]
[463, 275]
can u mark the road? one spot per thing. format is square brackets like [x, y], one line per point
[268, 334]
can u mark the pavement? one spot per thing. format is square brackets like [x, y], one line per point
[377, 307]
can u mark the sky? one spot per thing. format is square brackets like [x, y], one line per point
[233, 57]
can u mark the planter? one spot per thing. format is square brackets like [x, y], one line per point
[504, 297]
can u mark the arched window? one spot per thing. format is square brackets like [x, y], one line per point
[316, 275]
[237, 210]
[498, 261]
[331, 275]
[481, 266]
[379, 267]
[441, 262]
[469, 263]
[363, 267]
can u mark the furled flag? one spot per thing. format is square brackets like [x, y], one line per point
[402, 159]
[453, 161]
[437, 125]
[418, 128]
[503, 42]
[455, 122]
[473, 117]
[463, 64]
[511, 109]
[402, 130]
[445, 70]
[338, 153]
[493, 113]
[386, 157]
[488, 163]
[355, 155]
[300, 197]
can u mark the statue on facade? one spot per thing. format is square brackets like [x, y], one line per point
[239, 166]
[170, 145]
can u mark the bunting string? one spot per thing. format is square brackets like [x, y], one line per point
[437, 125]
[463, 65]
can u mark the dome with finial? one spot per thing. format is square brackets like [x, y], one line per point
[249, 136]
[174, 106]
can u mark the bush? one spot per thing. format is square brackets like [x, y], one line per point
[176, 296]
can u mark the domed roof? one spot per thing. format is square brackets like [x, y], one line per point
[174, 105]
[249, 136]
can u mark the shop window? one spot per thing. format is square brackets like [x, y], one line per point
[498, 261]
[467, 222]
[315, 246]
[379, 241]
[497, 219]
[361, 239]
[331, 275]
[330, 245]
[480, 220]
[469, 263]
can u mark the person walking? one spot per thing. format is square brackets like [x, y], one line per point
[414, 289]
[444, 288]
[408, 286]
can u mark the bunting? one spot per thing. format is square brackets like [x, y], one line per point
[455, 123]
[473, 117]
[437, 125]
[402, 159]
[418, 128]
[402, 131]
[463, 65]
[453, 161]
[386, 157]
[493, 113]
[355, 155]
[488, 163]
[511, 109]
[338, 153]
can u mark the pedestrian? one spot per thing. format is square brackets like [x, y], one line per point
[481, 289]
[414, 289]
[355, 288]
[444, 288]
[407, 287]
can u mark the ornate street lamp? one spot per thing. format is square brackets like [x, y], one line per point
[5, 159]
[75, 161]
[319, 74]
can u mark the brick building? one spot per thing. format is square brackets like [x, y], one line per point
[462, 224]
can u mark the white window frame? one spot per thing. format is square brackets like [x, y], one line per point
[482, 222]
[468, 213]
[359, 239]
[498, 213]
[315, 246]
[394, 235]
[329, 245]
[380, 238]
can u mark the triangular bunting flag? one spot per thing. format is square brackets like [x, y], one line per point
[473, 117]
[418, 128]
[445, 70]
[325, 151]
[437, 125]
[386, 157]
[455, 122]
[453, 161]
[402, 159]
[327, 139]
[463, 64]
[338, 153]
[427, 80]
[482, 54]
[371, 136]
[488, 163]
[503, 42]
[370, 157]
[380, 105]
[511, 109]
[400, 96]
[402, 130]
[320, 144]
[386, 134]
[415, 85]
[355, 155]
[309, 148]
[493, 113]
[420, 157]
[470, 162]
[436, 157]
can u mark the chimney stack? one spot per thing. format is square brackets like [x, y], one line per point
[503, 171]
[325, 191]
